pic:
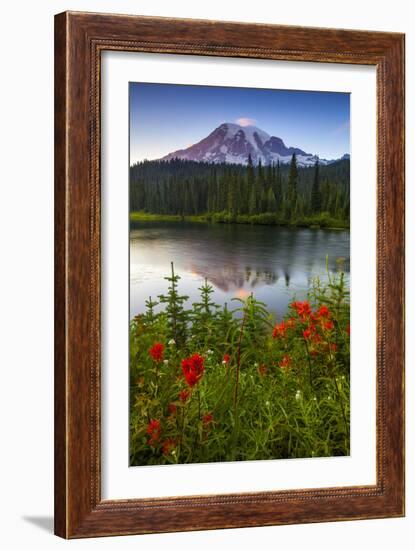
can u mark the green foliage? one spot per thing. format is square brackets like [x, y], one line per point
[203, 318]
[322, 220]
[177, 316]
[265, 392]
[315, 191]
[292, 185]
[289, 193]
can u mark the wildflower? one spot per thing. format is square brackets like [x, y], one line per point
[193, 368]
[316, 338]
[313, 318]
[168, 445]
[298, 395]
[307, 333]
[154, 431]
[323, 311]
[333, 347]
[172, 408]
[171, 342]
[166, 361]
[209, 352]
[207, 419]
[156, 351]
[285, 362]
[262, 369]
[226, 359]
[328, 325]
[279, 330]
[290, 323]
[183, 395]
[302, 308]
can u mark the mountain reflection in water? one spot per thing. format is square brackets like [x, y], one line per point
[273, 263]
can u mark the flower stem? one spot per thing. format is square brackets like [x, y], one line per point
[238, 362]
[309, 363]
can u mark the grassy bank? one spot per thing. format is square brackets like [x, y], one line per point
[208, 384]
[323, 220]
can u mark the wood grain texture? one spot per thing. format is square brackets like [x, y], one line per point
[79, 40]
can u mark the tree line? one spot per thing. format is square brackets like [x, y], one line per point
[288, 192]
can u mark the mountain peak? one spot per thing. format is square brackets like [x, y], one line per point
[233, 143]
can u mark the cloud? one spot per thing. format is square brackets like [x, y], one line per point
[244, 121]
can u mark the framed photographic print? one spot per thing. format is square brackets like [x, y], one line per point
[229, 280]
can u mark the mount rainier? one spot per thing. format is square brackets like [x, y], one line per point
[232, 144]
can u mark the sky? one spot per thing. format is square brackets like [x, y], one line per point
[167, 117]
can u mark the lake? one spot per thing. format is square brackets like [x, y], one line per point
[274, 263]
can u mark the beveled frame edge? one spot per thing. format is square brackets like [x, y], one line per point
[79, 40]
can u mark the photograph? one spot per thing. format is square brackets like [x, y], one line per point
[239, 330]
[229, 273]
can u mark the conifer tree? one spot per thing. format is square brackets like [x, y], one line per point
[315, 191]
[250, 180]
[176, 314]
[150, 315]
[204, 315]
[269, 176]
[252, 201]
[292, 183]
[260, 185]
[271, 202]
[232, 194]
[278, 186]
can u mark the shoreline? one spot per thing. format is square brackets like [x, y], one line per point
[324, 222]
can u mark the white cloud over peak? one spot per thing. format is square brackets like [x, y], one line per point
[244, 121]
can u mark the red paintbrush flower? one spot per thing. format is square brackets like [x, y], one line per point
[172, 408]
[262, 369]
[226, 358]
[290, 323]
[154, 431]
[193, 368]
[183, 395]
[207, 419]
[156, 352]
[285, 362]
[279, 330]
[323, 311]
[316, 338]
[307, 333]
[328, 325]
[168, 445]
[302, 308]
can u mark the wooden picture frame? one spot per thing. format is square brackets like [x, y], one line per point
[79, 40]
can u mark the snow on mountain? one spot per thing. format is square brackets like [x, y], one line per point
[232, 143]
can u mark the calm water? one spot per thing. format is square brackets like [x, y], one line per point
[272, 262]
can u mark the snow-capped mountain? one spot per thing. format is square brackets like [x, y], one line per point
[232, 143]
